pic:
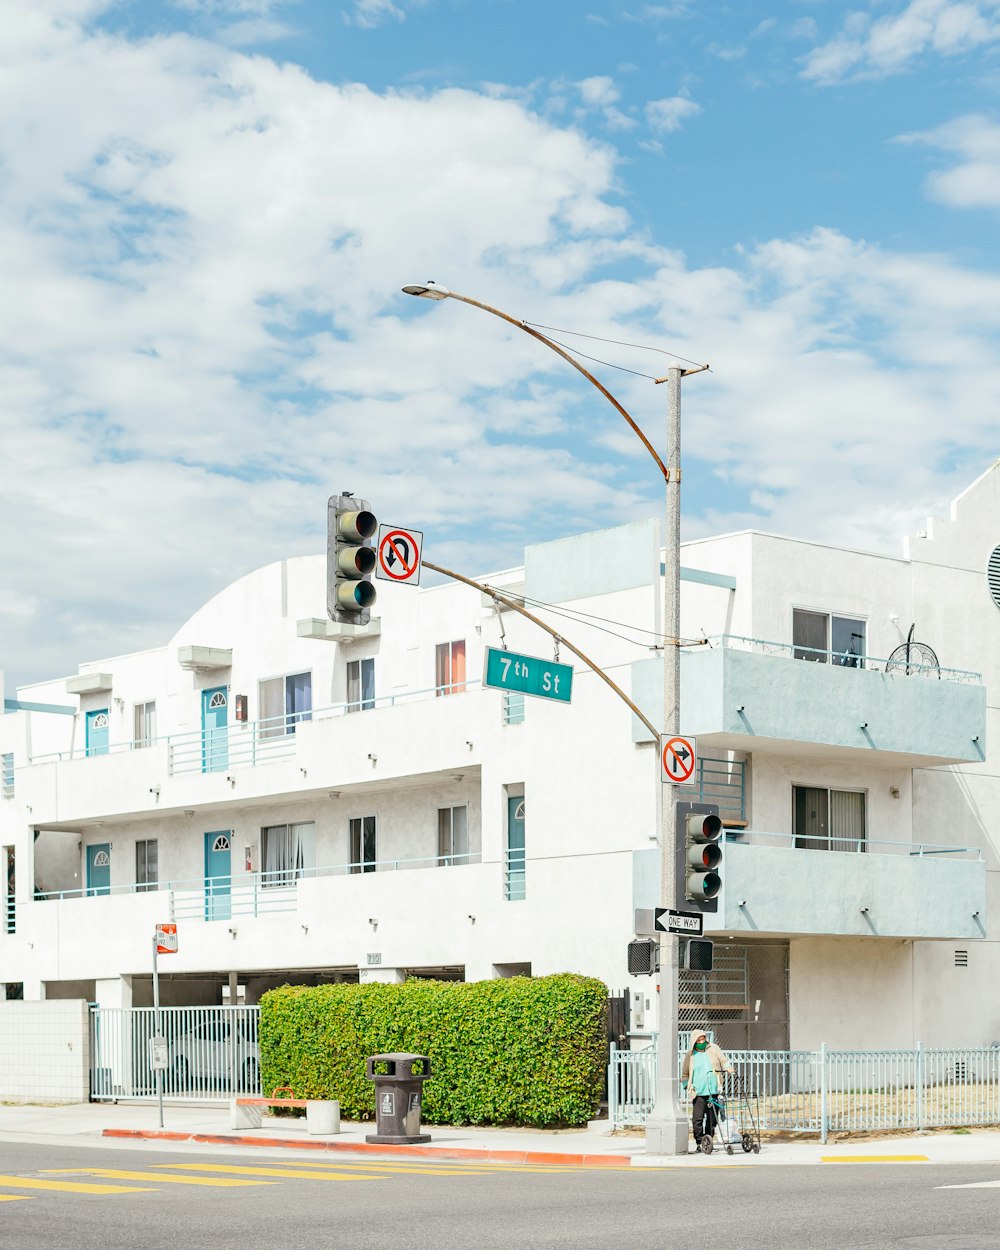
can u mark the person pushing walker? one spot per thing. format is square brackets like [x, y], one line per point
[703, 1065]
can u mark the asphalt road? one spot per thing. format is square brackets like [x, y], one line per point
[187, 1199]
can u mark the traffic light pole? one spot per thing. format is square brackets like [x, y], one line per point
[666, 1128]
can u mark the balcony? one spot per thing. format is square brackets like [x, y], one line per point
[862, 889]
[416, 733]
[412, 911]
[745, 694]
[775, 887]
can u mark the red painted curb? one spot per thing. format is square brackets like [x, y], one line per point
[420, 1152]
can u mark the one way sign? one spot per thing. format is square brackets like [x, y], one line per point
[678, 757]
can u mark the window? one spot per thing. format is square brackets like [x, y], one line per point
[453, 835]
[363, 844]
[146, 865]
[14, 991]
[513, 709]
[360, 685]
[829, 820]
[282, 702]
[450, 667]
[144, 726]
[825, 638]
[7, 775]
[288, 851]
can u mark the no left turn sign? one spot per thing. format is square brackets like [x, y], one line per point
[678, 757]
[399, 554]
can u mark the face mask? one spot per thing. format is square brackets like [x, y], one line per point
[701, 1045]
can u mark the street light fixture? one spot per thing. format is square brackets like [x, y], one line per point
[666, 1129]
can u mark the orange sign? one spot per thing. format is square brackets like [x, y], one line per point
[166, 939]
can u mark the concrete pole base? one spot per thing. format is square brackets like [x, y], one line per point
[667, 1137]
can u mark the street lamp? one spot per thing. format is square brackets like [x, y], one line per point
[666, 1129]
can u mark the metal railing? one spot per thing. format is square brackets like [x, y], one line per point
[843, 659]
[247, 743]
[723, 782]
[850, 845]
[832, 1091]
[253, 893]
[213, 1053]
[514, 875]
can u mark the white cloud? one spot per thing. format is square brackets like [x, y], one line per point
[371, 13]
[974, 180]
[201, 336]
[666, 116]
[867, 48]
[599, 94]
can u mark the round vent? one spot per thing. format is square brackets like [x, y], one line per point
[993, 575]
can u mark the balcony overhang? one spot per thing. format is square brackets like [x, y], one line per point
[204, 659]
[88, 683]
[792, 891]
[887, 891]
[744, 700]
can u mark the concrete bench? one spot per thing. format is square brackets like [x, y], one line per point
[322, 1115]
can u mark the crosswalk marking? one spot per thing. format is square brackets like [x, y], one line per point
[68, 1187]
[221, 1182]
[299, 1173]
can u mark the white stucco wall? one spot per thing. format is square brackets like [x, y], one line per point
[44, 1052]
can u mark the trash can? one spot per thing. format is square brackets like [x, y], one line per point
[397, 1098]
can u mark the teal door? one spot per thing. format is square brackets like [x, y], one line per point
[99, 868]
[97, 732]
[214, 732]
[514, 882]
[218, 879]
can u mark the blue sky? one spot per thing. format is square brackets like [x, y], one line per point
[207, 208]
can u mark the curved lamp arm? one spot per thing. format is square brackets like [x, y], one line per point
[430, 290]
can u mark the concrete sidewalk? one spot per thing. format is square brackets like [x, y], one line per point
[137, 1125]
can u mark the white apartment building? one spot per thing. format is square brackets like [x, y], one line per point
[309, 806]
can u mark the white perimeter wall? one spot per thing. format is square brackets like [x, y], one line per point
[44, 1052]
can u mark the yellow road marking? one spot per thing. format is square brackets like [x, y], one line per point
[874, 1159]
[374, 1167]
[111, 1174]
[299, 1173]
[14, 1198]
[69, 1187]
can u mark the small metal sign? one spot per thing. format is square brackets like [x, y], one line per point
[166, 939]
[667, 920]
[374, 958]
[159, 1054]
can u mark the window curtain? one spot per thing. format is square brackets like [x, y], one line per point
[289, 851]
[271, 707]
[847, 820]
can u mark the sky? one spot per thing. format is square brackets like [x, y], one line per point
[208, 209]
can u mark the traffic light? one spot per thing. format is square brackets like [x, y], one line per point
[699, 856]
[643, 957]
[697, 955]
[350, 562]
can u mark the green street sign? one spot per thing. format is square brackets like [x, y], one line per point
[527, 674]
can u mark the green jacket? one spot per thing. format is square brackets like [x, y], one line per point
[720, 1064]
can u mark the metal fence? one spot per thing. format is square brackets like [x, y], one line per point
[834, 1091]
[213, 1053]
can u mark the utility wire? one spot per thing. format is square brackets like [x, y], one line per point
[607, 363]
[642, 347]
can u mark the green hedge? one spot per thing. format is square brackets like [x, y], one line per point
[518, 1050]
